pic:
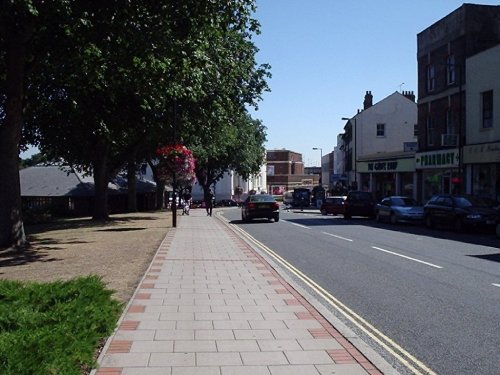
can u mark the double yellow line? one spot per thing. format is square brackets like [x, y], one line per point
[405, 358]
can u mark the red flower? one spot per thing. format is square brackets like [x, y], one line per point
[176, 159]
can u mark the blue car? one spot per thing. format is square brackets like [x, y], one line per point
[396, 209]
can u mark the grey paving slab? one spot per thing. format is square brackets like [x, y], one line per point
[147, 371]
[218, 359]
[172, 359]
[300, 357]
[126, 360]
[245, 370]
[214, 310]
[264, 358]
[237, 346]
[341, 369]
[295, 370]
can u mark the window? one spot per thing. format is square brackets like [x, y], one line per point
[450, 123]
[430, 131]
[487, 106]
[415, 130]
[380, 130]
[431, 78]
[450, 70]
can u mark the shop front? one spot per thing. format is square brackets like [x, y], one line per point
[385, 175]
[483, 166]
[438, 172]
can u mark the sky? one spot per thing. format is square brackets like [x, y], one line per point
[325, 55]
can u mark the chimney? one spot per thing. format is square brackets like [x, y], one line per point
[368, 102]
[409, 94]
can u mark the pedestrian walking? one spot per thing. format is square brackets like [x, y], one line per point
[209, 197]
[187, 203]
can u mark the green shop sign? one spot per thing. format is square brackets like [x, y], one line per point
[437, 159]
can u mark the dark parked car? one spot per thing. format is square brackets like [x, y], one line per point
[359, 203]
[260, 206]
[460, 212]
[399, 209]
[333, 205]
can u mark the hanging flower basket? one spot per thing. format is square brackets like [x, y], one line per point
[176, 160]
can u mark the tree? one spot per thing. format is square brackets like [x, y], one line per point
[93, 82]
[26, 32]
[240, 147]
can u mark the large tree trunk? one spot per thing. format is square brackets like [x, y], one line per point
[132, 186]
[11, 223]
[101, 180]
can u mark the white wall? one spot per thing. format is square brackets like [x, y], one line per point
[224, 188]
[483, 74]
[399, 115]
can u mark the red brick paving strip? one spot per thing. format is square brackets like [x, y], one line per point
[120, 346]
[136, 309]
[129, 325]
[143, 296]
[147, 286]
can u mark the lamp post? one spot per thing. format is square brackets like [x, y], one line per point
[320, 164]
[354, 136]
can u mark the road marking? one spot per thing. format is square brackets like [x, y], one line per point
[299, 225]
[406, 257]
[334, 235]
[496, 285]
[413, 364]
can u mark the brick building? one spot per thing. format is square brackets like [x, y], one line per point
[442, 51]
[285, 171]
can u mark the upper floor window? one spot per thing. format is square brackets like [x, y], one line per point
[415, 130]
[380, 130]
[450, 123]
[431, 78]
[487, 107]
[430, 131]
[451, 70]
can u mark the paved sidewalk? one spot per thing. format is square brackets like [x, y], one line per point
[209, 304]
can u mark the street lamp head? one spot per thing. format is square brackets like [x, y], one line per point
[345, 118]
[316, 148]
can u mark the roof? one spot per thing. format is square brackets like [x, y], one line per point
[62, 180]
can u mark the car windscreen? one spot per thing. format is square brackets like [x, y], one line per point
[470, 202]
[405, 202]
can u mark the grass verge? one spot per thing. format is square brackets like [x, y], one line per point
[54, 328]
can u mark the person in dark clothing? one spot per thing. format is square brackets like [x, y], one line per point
[209, 197]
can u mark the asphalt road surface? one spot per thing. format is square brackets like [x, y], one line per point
[434, 292]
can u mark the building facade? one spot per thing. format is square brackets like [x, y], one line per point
[379, 146]
[285, 171]
[442, 52]
[481, 153]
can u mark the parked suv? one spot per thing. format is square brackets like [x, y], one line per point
[460, 212]
[359, 203]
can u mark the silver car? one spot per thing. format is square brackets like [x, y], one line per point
[399, 209]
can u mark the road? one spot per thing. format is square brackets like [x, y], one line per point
[433, 292]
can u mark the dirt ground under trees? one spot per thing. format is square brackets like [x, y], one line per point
[118, 250]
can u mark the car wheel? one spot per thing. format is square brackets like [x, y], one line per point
[394, 220]
[323, 212]
[276, 219]
[459, 225]
[497, 230]
[428, 222]
[347, 216]
[377, 216]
